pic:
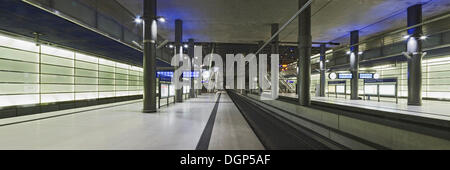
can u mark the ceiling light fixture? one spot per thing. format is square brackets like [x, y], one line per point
[138, 20]
[162, 19]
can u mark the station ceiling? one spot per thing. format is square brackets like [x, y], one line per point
[248, 21]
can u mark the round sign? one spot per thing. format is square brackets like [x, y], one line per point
[332, 76]
[376, 76]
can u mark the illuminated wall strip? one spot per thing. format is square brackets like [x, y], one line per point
[31, 74]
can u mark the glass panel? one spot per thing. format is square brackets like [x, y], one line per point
[19, 66]
[122, 71]
[15, 100]
[340, 89]
[121, 82]
[106, 75]
[83, 80]
[11, 42]
[57, 79]
[132, 83]
[106, 62]
[105, 88]
[106, 94]
[132, 88]
[86, 65]
[371, 89]
[121, 93]
[57, 52]
[121, 77]
[122, 66]
[13, 77]
[46, 59]
[85, 96]
[18, 89]
[56, 70]
[106, 81]
[121, 88]
[52, 88]
[18, 55]
[387, 90]
[106, 68]
[439, 81]
[85, 88]
[86, 73]
[49, 98]
[87, 58]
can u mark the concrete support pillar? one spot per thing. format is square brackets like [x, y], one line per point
[323, 69]
[414, 49]
[150, 35]
[199, 91]
[304, 62]
[276, 41]
[260, 44]
[354, 64]
[275, 44]
[191, 54]
[179, 50]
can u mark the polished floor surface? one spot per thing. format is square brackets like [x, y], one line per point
[121, 126]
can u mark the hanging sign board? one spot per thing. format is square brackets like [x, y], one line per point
[345, 76]
[336, 82]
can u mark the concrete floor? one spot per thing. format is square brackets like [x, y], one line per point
[121, 126]
[231, 131]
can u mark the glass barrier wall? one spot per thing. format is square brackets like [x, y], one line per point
[31, 74]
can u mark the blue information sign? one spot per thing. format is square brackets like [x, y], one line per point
[169, 74]
[385, 80]
[366, 76]
[189, 74]
[345, 76]
[160, 74]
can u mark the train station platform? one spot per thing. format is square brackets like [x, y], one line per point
[210, 121]
[430, 109]
[365, 124]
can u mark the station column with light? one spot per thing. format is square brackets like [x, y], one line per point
[275, 44]
[304, 60]
[191, 55]
[415, 55]
[323, 67]
[179, 50]
[276, 41]
[354, 64]
[150, 37]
